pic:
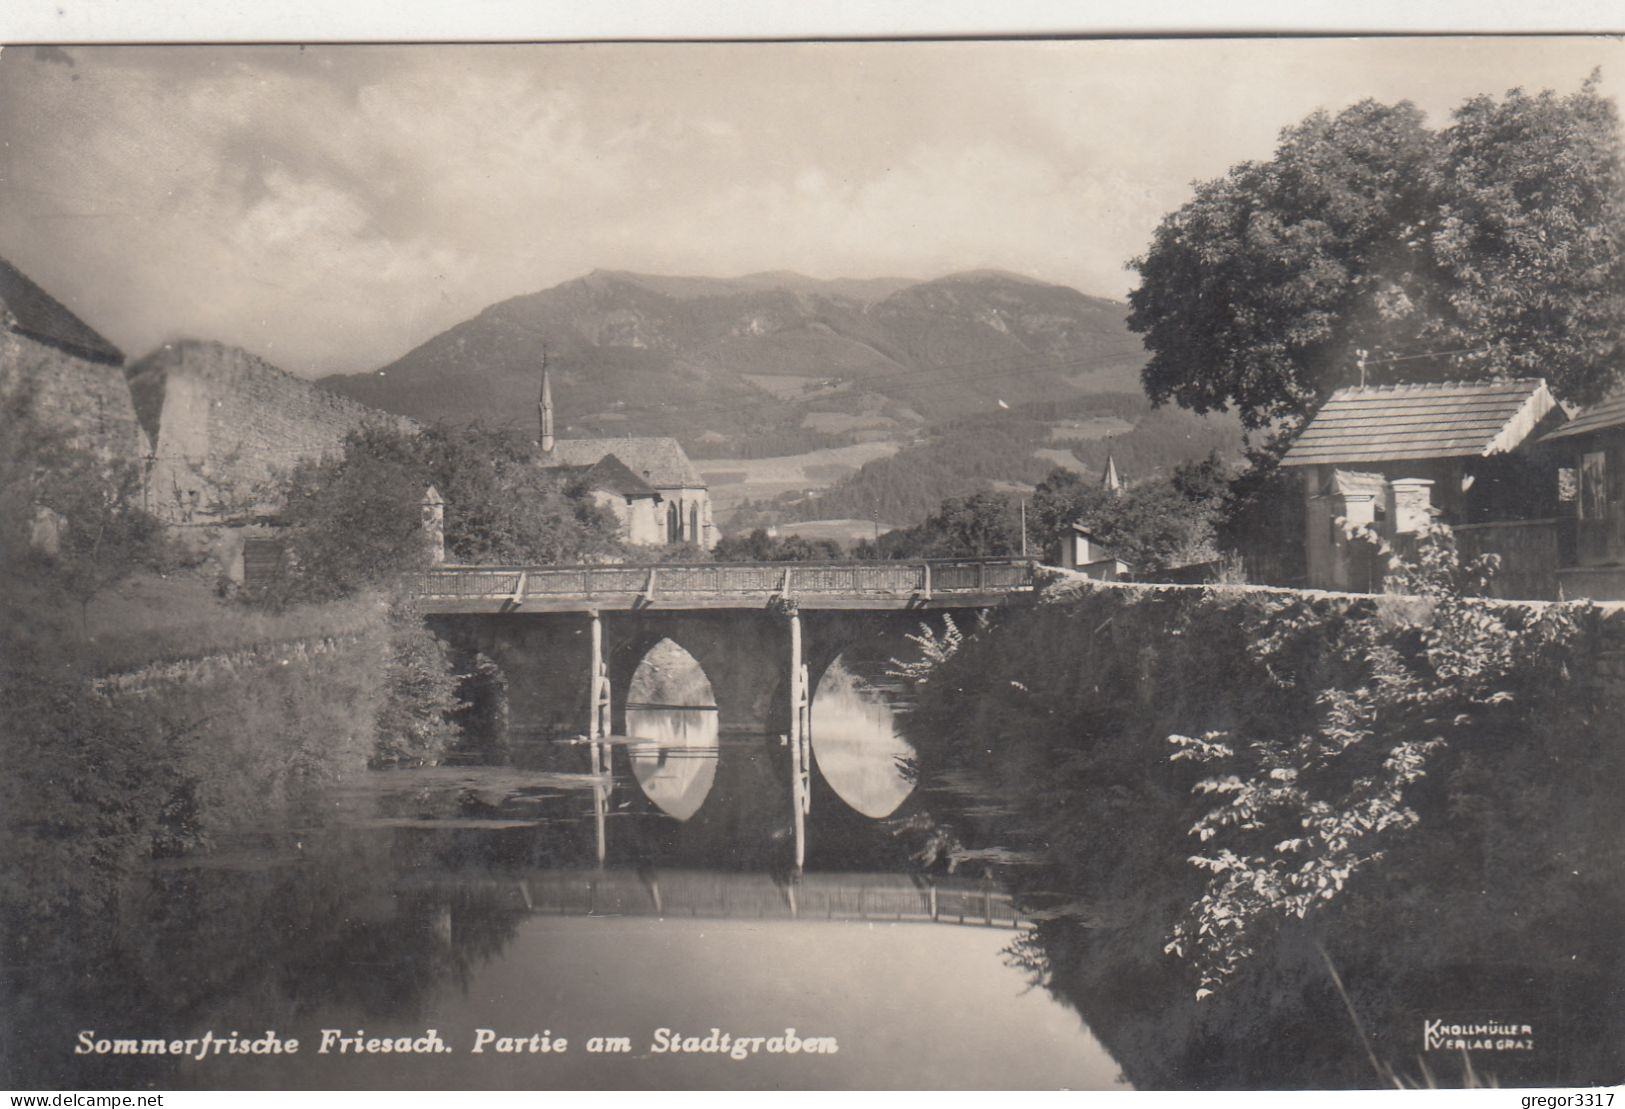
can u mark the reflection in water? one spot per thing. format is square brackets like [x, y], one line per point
[459, 898]
[855, 736]
[671, 725]
[465, 898]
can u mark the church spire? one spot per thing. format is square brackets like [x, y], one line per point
[545, 408]
[1111, 482]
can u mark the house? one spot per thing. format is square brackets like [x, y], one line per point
[1081, 551]
[1592, 448]
[1392, 458]
[648, 482]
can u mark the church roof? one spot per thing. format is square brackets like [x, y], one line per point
[37, 314]
[1399, 422]
[611, 474]
[660, 462]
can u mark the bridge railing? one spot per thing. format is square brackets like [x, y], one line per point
[925, 577]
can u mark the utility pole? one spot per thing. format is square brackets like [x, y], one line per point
[1023, 527]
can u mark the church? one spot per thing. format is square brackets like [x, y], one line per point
[649, 483]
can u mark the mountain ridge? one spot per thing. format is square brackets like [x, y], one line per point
[774, 358]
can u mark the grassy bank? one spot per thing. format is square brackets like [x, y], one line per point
[156, 618]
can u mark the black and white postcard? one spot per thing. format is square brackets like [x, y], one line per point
[821, 565]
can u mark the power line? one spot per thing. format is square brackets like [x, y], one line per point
[1427, 354]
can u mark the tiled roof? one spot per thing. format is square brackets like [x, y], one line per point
[1399, 422]
[661, 462]
[612, 474]
[37, 314]
[1604, 414]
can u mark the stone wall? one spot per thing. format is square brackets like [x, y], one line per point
[87, 399]
[226, 425]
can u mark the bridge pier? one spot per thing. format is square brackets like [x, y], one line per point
[598, 698]
[800, 740]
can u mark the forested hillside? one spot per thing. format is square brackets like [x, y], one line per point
[772, 363]
[1005, 450]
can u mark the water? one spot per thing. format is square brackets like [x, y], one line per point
[524, 904]
[931, 937]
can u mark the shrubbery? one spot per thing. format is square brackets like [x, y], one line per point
[1221, 789]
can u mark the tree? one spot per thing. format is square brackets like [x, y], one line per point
[355, 518]
[1493, 248]
[415, 722]
[357, 522]
[502, 507]
[94, 531]
[1152, 524]
[759, 546]
[976, 526]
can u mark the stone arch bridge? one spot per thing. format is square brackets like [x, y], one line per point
[569, 638]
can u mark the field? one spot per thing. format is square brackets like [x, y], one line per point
[838, 422]
[1066, 460]
[1088, 428]
[733, 480]
[845, 532]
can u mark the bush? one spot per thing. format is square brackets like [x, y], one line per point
[416, 719]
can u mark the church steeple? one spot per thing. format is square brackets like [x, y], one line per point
[1111, 482]
[545, 409]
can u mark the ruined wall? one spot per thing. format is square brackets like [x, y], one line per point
[226, 425]
[88, 399]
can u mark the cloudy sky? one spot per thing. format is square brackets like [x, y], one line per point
[331, 207]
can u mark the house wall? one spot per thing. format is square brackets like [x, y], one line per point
[642, 521]
[694, 505]
[1600, 528]
[1465, 492]
[1335, 562]
[1528, 551]
[86, 399]
[1077, 551]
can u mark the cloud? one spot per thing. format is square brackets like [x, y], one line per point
[331, 207]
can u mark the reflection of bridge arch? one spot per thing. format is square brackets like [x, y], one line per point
[669, 717]
[897, 898]
[856, 745]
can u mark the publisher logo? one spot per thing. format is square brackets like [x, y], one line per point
[1443, 1034]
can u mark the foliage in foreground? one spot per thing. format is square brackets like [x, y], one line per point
[1456, 763]
[1301, 812]
[1316, 742]
[416, 718]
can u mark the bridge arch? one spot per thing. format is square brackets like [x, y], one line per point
[744, 656]
[670, 714]
[857, 745]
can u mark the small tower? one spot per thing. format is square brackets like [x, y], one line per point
[1111, 482]
[545, 408]
[434, 524]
